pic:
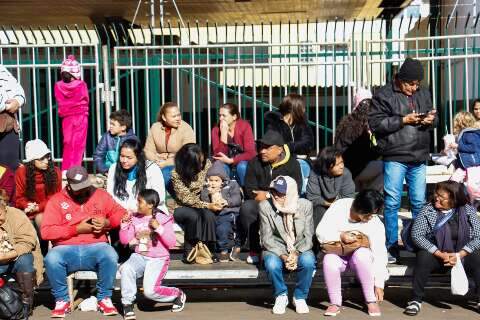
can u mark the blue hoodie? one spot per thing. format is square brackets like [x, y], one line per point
[107, 150]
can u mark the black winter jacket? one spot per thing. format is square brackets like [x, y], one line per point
[397, 142]
[299, 138]
[260, 174]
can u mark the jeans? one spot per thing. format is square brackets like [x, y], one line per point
[167, 177]
[241, 171]
[394, 174]
[305, 168]
[24, 263]
[153, 271]
[226, 230]
[275, 266]
[64, 259]
[361, 261]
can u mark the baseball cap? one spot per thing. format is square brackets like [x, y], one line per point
[77, 178]
[279, 185]
[271, 138]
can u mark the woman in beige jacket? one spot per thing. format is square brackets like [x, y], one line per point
[19, 251]
[166, 137]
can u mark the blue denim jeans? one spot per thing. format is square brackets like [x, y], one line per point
[24, 263]
[305, 168]
[241, 169]
[275, 267]
[64, 259]
[167, 177]
[394, 174]
[227, 231]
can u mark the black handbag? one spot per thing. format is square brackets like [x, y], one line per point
[11, 305]
[234, 150]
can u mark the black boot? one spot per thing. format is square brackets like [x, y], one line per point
[187, 247]
[26, 282]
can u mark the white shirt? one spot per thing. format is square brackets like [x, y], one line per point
[337, 220]
[154, 181]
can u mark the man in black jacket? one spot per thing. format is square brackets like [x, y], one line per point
[402, 117]
[273, 159]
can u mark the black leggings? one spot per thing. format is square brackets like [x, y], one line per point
[198, 225]
[249, 224]
[427, 262]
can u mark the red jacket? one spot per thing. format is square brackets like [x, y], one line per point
[7, 182]
[41, 198]
[242, 135]
[62, 215]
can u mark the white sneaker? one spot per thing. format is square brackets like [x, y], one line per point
[300, 305]
[253, 259]
[281, 303]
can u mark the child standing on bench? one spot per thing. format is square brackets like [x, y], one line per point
[150, 232]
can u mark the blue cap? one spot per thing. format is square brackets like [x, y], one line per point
[280, 185]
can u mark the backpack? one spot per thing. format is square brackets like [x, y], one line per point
[469, 148]
[11, 306]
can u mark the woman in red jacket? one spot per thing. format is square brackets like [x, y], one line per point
[36, 182]
[232, 141]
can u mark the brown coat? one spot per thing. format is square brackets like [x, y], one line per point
[155, 143]
[23, 237]
[189, 196]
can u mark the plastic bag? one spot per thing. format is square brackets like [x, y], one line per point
[89, 304]
[459, 280]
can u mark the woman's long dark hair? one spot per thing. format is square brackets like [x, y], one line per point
[353, 125]
[50, 179]
[326, 159]
[294, 104]
[189, 162]
[151, 197]
[121, 175]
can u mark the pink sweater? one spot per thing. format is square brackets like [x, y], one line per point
[165, 234]
[72, 98]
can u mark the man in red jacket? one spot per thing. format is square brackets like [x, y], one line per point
[77, 220]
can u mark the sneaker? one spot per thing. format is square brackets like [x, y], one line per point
[332, 310]
[61, 308]
[128, 313]
[179, 302]
[413, 308]
[224, 257]
[281, 303]
[235, 254]
[374, 309]
[253, 258]
[300, 305]
[393, 254]
[107, 308]
[391, 259]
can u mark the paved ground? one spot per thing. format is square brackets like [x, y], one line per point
[254, 303]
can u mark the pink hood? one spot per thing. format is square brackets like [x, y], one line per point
[72, 98]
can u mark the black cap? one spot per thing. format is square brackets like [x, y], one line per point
[271, 138]
[411, 70]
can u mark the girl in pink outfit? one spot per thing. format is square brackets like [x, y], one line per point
[72, 98]
[150, 232]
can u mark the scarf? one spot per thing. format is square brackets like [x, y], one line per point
[443, 234]
[132, 175]
[329, 186]
[288, 211]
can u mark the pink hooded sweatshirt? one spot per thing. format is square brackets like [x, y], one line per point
[165, 234]
[72, 98]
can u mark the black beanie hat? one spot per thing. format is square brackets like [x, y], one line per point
[411, 70]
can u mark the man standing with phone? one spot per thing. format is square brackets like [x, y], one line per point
[402, 118]
[77, 220]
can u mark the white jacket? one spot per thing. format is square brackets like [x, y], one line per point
[336, 220]
[154, 181]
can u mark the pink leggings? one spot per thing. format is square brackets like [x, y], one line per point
[74, 130]
[361, 262]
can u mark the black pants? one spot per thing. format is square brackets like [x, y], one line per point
[318, 212]
[427, 262]
[249, 224]
[10, 149]
[198, 225]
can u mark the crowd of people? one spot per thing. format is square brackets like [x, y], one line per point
[268, 196]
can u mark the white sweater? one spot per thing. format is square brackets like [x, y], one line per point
[336, 220]
[154, 181]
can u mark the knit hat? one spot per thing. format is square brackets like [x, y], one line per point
[411, 70]
[35, 149]
[71, 66]
[217, 169]
[361, 95]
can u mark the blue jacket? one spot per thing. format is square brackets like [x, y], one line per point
[107, 150]
[469, 147]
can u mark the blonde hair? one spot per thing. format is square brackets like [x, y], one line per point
[463, 120]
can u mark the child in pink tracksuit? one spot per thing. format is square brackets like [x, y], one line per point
[72, 98]
[150, 232]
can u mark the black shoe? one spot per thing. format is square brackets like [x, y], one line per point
[413, 308]
[128, 313]
[393, 254]
[179, 302]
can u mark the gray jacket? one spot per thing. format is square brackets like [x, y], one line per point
[231, 192]
[272, 231]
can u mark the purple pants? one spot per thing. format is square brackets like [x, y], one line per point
[74, 129]
[361, 262]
